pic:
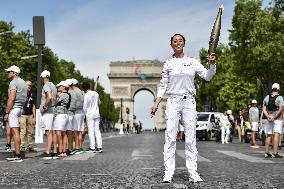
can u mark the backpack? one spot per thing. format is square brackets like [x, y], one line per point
[271, 106]
[69, 101]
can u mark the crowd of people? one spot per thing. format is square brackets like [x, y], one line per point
[67, 114]
[269, 120]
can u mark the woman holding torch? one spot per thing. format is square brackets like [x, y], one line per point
[178, 84]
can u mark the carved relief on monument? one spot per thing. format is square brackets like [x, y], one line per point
[120, 91]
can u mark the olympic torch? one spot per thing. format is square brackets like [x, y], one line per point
[96, 84]
[215, 34]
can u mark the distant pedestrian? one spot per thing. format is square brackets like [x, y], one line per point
[48, 102]
[27, 120]
[254, 122]
[232, 124]
[225, 128]
[178, 83]
[17, 94]
[92, 112]
[71, 120]
[239, 122]
[78, 122]
[281, 135]
[180, 135]
[272, 110]
[61, 117]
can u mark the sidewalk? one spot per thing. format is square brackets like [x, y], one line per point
[40, 147]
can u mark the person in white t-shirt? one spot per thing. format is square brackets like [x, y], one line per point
[92, 112]
[225, 128]
[254, 120]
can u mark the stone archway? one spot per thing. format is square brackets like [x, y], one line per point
[129, 77]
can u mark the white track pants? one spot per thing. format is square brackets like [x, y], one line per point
[184, 109]
[94, 133]
[225, 134]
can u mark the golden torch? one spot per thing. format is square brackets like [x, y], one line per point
[215, 34]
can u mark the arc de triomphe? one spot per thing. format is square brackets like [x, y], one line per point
[128, 78]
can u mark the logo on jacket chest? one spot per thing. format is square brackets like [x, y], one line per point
[186, 64]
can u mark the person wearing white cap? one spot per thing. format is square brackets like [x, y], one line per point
[78, 118]
[17, 94]
[254, 120]
[61, 117]
[48, 101]
[272, 110]
[71, 121]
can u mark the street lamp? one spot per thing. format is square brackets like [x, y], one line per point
[28, 57]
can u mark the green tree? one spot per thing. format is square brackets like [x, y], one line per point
[252, 60]
[13, 46]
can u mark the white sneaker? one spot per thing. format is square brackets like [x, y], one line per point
[167, 178]
[14, 159]
[195, 178]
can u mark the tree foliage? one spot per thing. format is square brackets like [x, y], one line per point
[252, 61]
[13, 46]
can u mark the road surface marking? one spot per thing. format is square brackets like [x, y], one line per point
[245, 157]
[83, 157]
[141, 154]
[181, 153]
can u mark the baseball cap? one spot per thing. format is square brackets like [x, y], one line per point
[62, 83]
[13, 69]
[276, 86]
[253, 101]
[69, 81]
[45, 74]
[229, 111]
[74, 81]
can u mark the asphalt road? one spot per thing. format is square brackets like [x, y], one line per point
[136, 161]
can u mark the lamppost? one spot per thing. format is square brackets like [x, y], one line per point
[39, 41]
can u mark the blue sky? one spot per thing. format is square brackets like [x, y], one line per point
[91, 33]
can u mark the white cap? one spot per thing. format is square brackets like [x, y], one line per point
[276, 86]
[62, 83]
[69, 81]
[45, 74]
[229, 112]
[254, 101]
[13, 69]
[74, 81]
